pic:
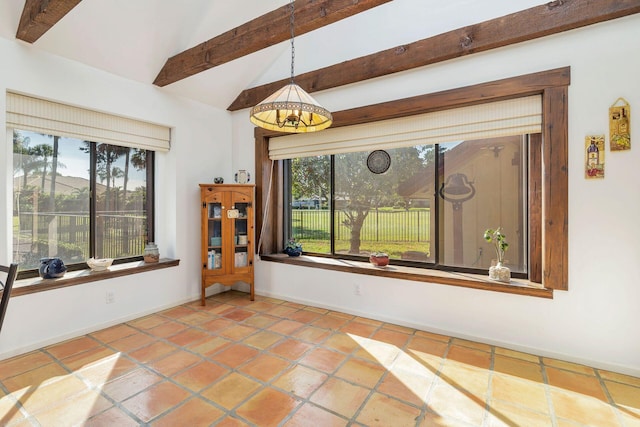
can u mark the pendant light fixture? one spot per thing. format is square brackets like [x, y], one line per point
[291, 109]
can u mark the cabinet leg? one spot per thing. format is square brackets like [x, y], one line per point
[202, 301]
[252, 294]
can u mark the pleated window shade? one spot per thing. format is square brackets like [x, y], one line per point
[52, 118]
[494, 119]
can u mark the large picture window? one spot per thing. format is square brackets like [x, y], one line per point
[429, 208]
[77, 199]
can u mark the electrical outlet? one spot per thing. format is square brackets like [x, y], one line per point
[110, 297]
[357, 290]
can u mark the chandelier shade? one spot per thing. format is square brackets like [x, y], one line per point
[291, 109]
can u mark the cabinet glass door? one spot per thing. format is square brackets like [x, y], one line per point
[240, 238]
[214, 236]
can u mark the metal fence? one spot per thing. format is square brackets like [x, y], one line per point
[411, 225]
[36, 235]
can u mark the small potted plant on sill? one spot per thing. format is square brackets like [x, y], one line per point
[293, 248]
[498, 271]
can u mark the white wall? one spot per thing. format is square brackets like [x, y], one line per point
[200, 150]
[595, 321]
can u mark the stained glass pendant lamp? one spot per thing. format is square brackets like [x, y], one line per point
[291, 109]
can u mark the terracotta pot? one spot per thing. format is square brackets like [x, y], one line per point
[379, 259]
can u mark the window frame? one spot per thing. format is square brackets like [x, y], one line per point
[548, 160]
[149, 206]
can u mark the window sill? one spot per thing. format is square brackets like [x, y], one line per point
[79, 277]
[475, 281]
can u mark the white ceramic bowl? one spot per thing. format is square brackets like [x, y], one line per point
[99, 264]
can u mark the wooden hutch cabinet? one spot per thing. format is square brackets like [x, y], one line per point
[227, 235]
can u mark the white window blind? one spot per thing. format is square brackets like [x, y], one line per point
[39, 115]
[494, 119]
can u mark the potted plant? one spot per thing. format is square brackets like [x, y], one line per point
[379, 259]
[293, 248]
[498, 271]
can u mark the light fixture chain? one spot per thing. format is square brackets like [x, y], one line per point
[293, 48]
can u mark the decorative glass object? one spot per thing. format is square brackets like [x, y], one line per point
[151, 253]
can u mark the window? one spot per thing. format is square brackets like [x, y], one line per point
[538, 216]
[82, 182]
[77, 199]
[416, 212]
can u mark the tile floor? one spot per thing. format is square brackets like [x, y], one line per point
[276, 363]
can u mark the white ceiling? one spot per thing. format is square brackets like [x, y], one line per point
[134, 38]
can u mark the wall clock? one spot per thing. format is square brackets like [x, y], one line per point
[379, 161]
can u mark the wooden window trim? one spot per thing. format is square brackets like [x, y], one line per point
[548, 198]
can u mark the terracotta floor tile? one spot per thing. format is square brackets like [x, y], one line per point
[330, 322]
[108, 369]
[177, 312]
[167, 329]
[293, 304]
[238, 314]
[341, 315]
[399, 339]
[519, 393]
[152, 352]
[267, 408]
[130, 384]
[301, 381]
[219, 308]
[361, 372]
[405, 386]
[10, 412]
[398, 328]
[188, 336]
[262, 339]
[281, 310]
[265, 367]
[453, 403]
[578, 383]
[625, 396]
[34, 378]
[340, 396]
[384, 411]
[131, 342]
[74, 411]
[238, 332]
[310, 415]
[196, 412]
[320, 310]
[260, 306]
[88, 358]
[20, 364]
[286, 327]
[210, 346]
[323, 359]
[517, 355]
[261, 321]
[427, 346]
[368, 321]
[155, 400]
[518, 368]
[113, 417]
[231, 390]
[471, 344]
[468, 378]
[200, 376]
[504, 415]
[433, 336]
[586, 370]
[291, 349]
[312, 334]
[469, 356]
[620, 378]
[148, 322]
[583, 409]
[197, 318]
[217, 325]
[342, 342]
[175, 362]
[71, 347]
[235, 355]
[376, 351]
[304, 316]
[358, 328]
[433, 420]
[52, 394]
[231, 422]
[114, 333]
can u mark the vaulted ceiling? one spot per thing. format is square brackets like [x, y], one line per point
[215, 50]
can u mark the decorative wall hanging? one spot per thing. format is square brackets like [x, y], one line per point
[594, 155]
[379, 161]
[620, 125]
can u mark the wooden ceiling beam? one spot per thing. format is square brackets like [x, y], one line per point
[264, 31]
[551, 18]
[38, 16]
